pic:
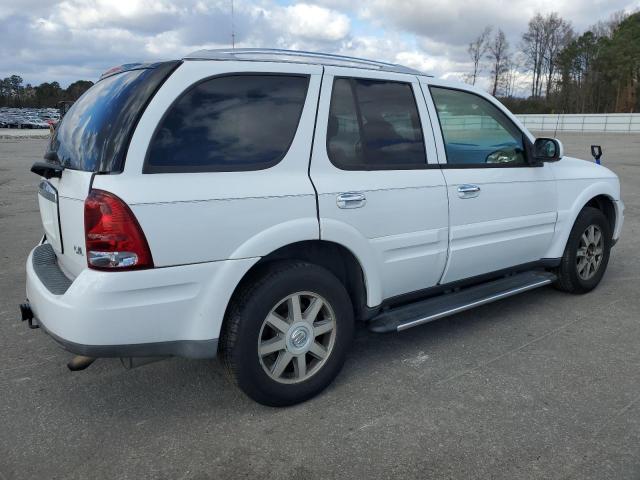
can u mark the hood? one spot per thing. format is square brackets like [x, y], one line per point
[572, 168]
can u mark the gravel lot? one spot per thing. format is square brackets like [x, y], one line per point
[542, 385]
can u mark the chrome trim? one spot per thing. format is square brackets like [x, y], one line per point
[468, 190]
[477, 303]
[351, 200]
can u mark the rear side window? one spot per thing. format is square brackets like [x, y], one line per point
[374, 125]
[94, 134]
[229, 123]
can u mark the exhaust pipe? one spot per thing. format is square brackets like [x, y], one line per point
[80, 362]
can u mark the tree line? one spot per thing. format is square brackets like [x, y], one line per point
[597, 71]
[14, 93]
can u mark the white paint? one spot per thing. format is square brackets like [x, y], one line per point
[208, 229]
[156, 305]
[416, 361]
[403, 225]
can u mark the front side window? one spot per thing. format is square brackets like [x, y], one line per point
[374, 125]
[229, 123]
[475, 131]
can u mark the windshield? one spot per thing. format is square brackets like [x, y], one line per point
[94, 134]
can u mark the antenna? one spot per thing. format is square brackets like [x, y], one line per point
[233, 32]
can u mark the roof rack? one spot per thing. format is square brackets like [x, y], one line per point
[295, 56]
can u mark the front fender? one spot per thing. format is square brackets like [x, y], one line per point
[573, 195]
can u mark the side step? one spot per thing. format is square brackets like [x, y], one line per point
[424, 311]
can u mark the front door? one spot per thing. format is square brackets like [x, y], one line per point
[502, 209]
[380, 191]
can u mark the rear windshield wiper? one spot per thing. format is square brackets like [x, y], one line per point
[51, 169]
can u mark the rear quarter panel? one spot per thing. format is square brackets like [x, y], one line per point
[202, 217]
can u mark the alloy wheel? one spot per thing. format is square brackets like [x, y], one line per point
[590, 252]
[297, 337]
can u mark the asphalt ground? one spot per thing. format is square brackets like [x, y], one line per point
[11, 133]
[542, 385]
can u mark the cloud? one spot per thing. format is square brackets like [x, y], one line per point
[458, 22]
[314, 22]
[73, 37]
[65, 40]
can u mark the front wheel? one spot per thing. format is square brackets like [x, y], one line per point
[586, 255]
[286, 334]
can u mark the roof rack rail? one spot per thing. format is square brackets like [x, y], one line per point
[296, 56]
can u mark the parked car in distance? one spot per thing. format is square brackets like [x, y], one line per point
[32, 122]
[12, 121]
[28, 117]
[254, 204]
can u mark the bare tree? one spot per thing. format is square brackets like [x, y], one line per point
[533, 47]
[498, 49]
[605, 28]
[541, 44]
[477, 50]
[510, 80]
[558, 33]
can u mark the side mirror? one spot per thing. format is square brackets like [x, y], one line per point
[547, 150]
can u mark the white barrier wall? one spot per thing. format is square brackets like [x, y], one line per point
[605, 122]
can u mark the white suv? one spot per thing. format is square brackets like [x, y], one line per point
[255, 203]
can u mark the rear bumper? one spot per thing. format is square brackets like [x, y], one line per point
[179, 348]
[172, 311]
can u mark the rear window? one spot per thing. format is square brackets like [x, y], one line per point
[94, 134]
[229, 123]
[374, 125]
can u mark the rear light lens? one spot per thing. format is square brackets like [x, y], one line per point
[114, 239]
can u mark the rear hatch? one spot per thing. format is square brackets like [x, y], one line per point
[92, 139]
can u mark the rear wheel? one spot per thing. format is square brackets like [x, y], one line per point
[586, 255]
[287, 333]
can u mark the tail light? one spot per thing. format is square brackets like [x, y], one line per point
[114, 239]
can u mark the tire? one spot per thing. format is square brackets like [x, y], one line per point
[573, 275]
[247, 332]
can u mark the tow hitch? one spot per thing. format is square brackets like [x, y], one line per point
[27, 314]
[81, 362]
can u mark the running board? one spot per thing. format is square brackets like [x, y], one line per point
[424, 311]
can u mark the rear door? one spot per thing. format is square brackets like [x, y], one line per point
[380, 191]
[61, 203]
[503, 209]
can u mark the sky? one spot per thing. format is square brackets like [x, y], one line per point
[68, 40]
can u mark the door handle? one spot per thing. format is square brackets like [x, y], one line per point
[351, 200]
[468, 191]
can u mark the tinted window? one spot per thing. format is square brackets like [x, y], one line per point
[95, 132]
[242, 122]
[374, 124]
[475, 131]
